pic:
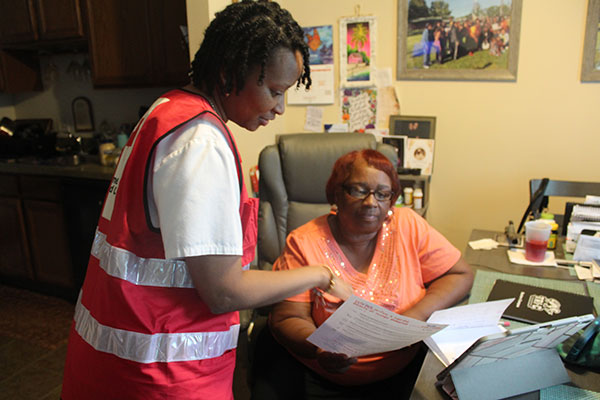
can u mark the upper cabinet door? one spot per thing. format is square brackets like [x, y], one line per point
[118, 42]
[59, 19]
[17, 21]
[137, 42]
[170, 53]
[19, 72]
[35, 21]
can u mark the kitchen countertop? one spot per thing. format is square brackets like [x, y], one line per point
[85, 170]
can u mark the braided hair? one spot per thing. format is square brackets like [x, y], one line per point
[241, 36]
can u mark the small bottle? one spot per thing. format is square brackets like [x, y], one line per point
[553, 236]
[418, 199]
[408, 196]
[399, 201]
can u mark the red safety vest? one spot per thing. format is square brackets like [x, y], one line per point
[140, 329]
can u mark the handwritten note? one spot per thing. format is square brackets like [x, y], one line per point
[360, 328]
[314, 119]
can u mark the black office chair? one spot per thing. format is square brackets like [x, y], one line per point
[541, 189]
[293, 175]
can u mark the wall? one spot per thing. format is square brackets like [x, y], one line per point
[7, 108]
[116, 106]
[491, 137]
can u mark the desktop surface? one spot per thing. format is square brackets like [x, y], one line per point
[496, 260]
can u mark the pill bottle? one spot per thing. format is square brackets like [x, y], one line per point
[105, 151]
[408, 196]
[553, 236]
[418, 199]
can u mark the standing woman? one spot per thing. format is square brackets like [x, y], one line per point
[156, 317]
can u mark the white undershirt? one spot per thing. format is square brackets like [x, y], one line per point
[194, 193]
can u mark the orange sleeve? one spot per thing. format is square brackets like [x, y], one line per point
[291, 258]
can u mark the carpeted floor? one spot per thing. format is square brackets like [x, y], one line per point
[40, 320]
[33, 341]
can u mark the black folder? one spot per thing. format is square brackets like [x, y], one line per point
[537, 305]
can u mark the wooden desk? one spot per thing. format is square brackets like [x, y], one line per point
[497, 260]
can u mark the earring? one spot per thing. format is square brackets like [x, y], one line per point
[390, 213]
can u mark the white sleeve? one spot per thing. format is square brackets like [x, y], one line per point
[196, 193]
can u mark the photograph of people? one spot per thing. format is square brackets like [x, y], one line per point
[458, 34]
[157, 315]
[391, 257]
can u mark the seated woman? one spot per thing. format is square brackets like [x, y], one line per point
[391, 257]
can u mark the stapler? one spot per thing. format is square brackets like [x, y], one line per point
[511, 235]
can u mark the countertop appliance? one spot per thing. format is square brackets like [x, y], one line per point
[27, 137]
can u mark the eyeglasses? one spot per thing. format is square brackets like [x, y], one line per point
[361, 193]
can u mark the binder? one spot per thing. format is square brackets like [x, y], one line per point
[525, 357]
[536, 304]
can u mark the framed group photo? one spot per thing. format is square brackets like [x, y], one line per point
[458, 40]
[590, 66]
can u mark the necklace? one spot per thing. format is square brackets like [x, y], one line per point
[214, 107]
[212, 104]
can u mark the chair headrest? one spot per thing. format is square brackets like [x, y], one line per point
[307, 161]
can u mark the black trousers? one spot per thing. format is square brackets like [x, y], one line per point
[277, 375]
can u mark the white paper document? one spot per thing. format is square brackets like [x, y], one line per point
[360, 328]
[588, 248]
[466, 325]
[314, 119]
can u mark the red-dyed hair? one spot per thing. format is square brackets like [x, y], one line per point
[343, 168]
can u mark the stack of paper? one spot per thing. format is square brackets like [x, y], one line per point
[466, 325]
[586, 213]
[590, 199]
[583, 217]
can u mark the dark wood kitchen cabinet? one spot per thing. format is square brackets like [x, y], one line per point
[137, 42]
[14, 249]
[47, 227]
[31, 21]
[133, 43]
[19, 72]
[46, 230]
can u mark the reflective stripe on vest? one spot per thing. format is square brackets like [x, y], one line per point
[159, 347]
[125, 265]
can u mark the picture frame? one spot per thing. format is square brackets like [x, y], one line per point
[493, 57]
[399, 143]
[419, 154]
[358, 41]
[414, 126]
[590, 65]
[83, 118]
